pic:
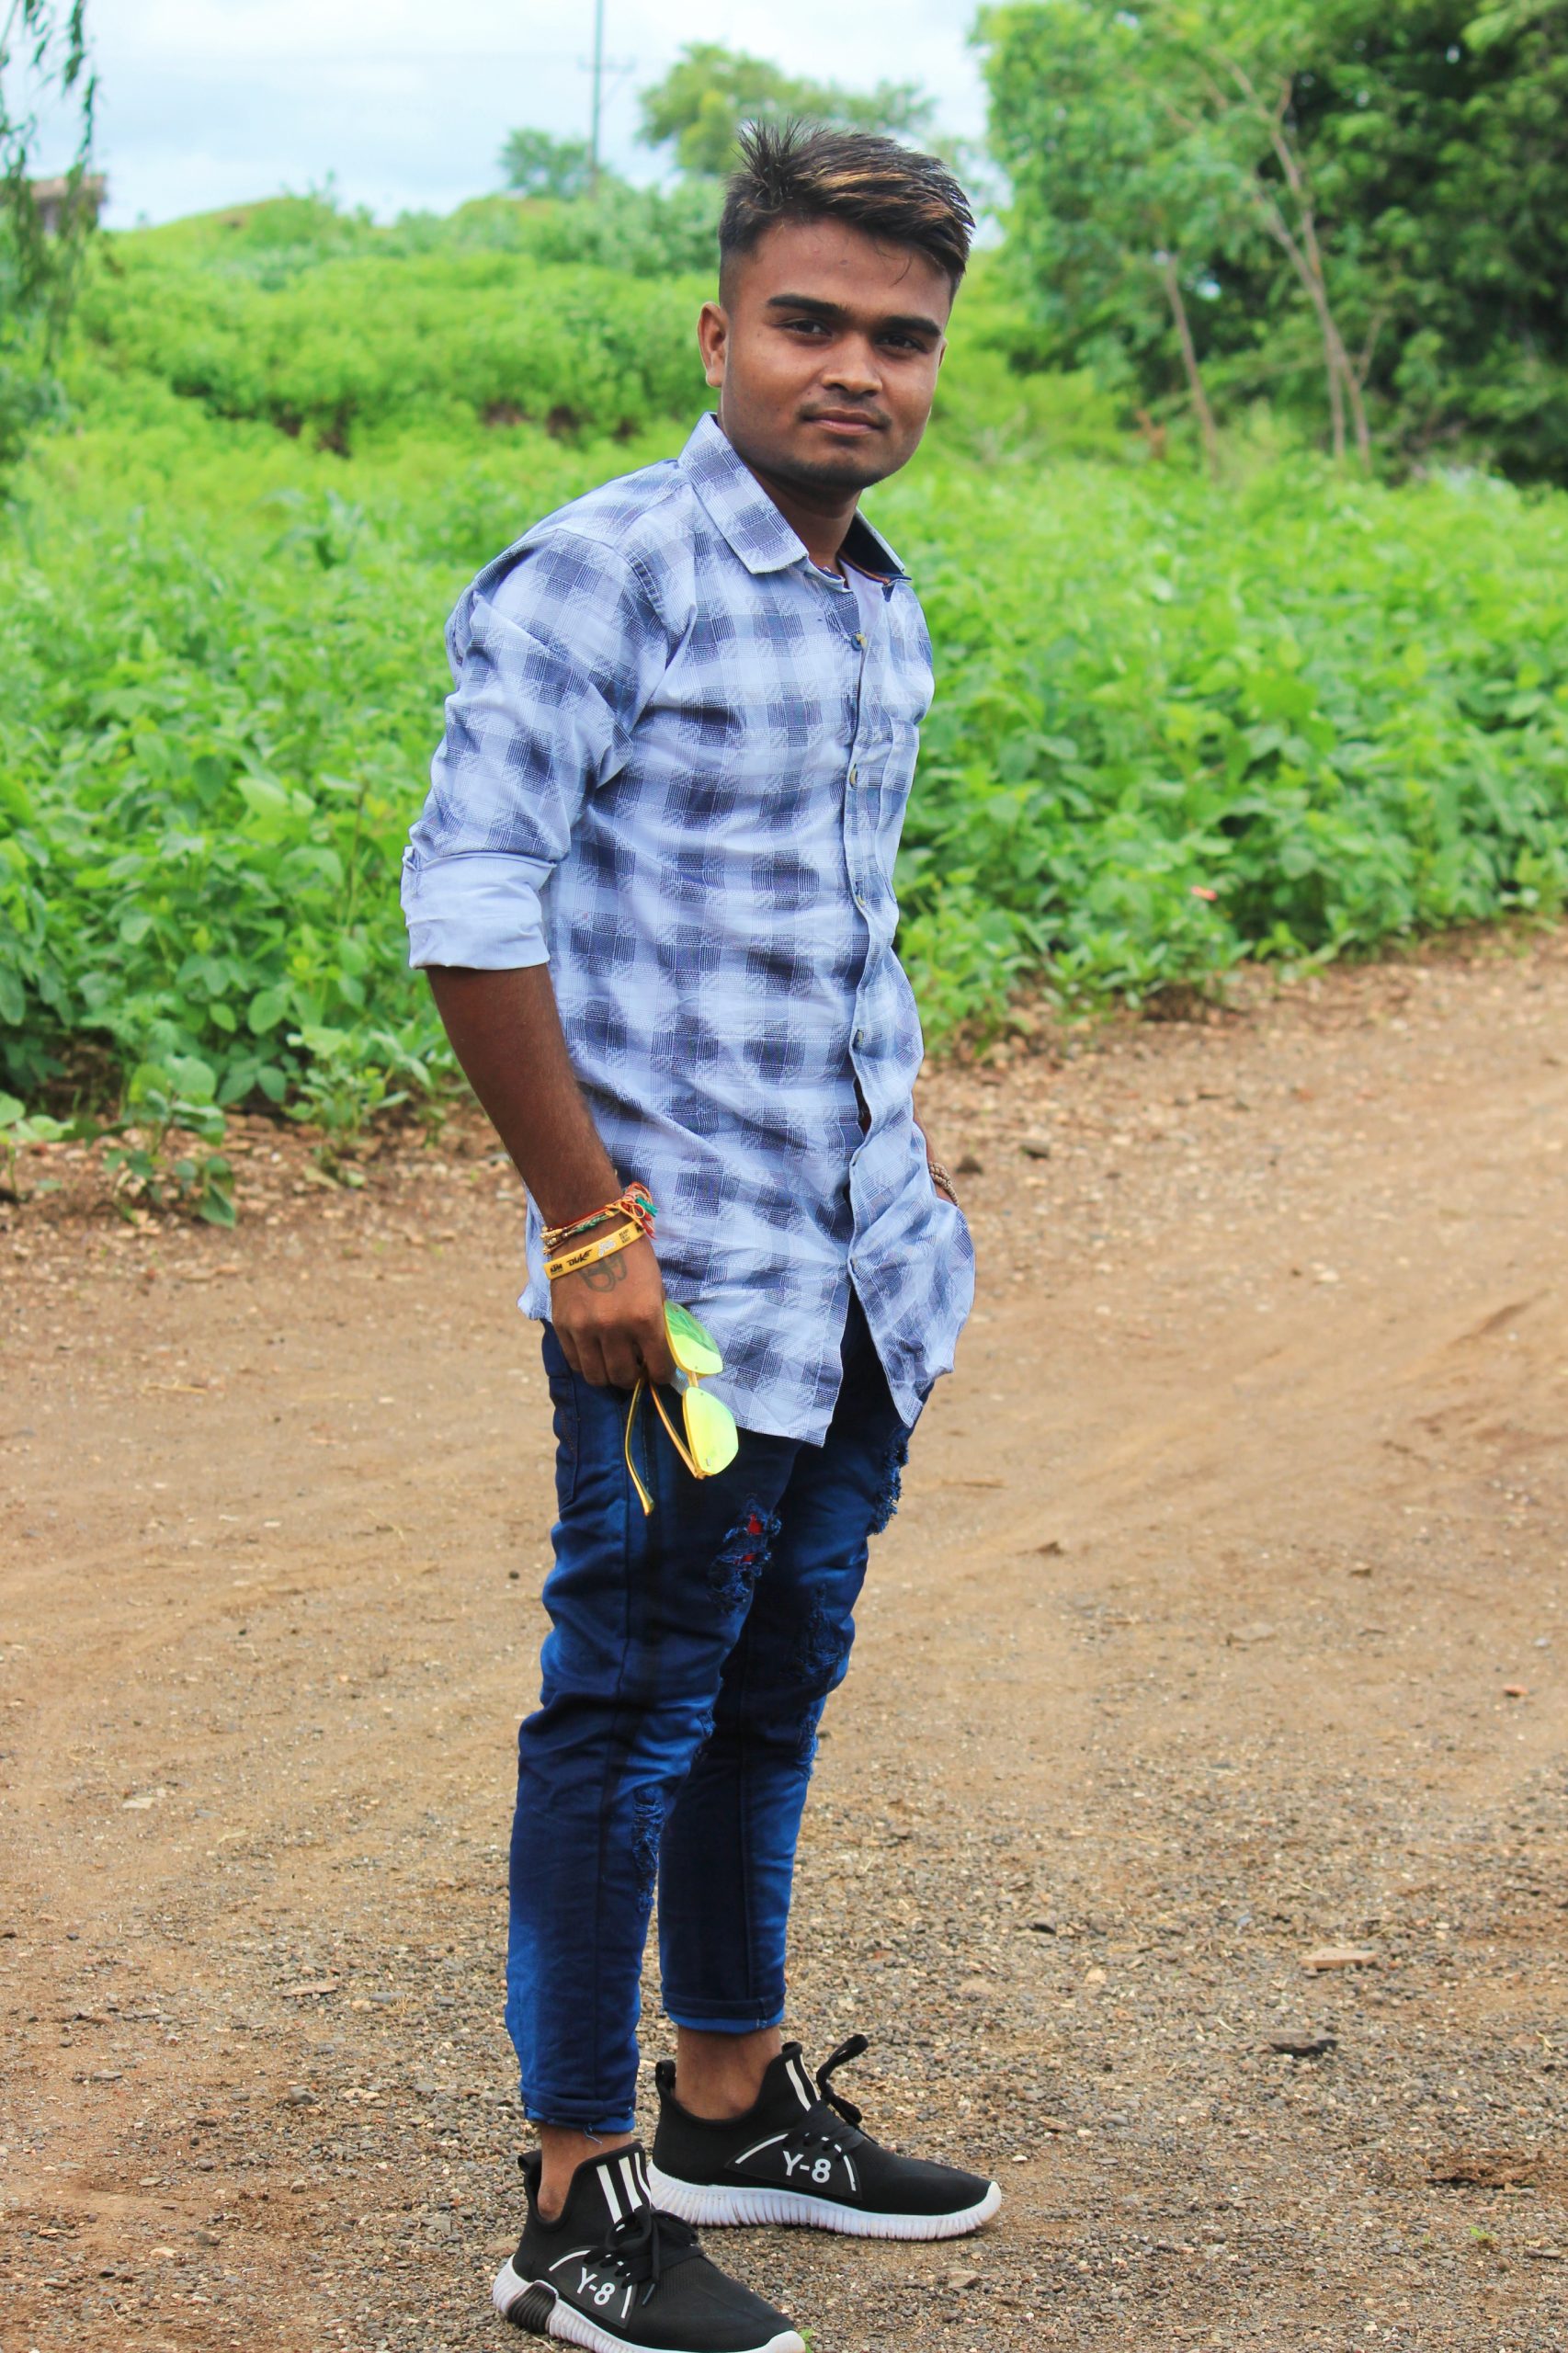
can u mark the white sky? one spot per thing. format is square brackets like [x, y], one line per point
[211, 102]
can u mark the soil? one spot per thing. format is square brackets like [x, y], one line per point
[1220, 1629]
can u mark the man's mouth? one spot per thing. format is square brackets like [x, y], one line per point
[850, 423]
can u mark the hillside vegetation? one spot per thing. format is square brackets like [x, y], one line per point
[1178, 723]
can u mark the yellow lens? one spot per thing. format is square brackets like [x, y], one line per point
[710, 1432]
[691, 1346]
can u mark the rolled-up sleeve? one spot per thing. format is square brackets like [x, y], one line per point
[555, 651]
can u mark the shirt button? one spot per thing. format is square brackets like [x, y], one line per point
[852, 776]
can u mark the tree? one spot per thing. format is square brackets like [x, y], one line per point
[1168, 140]
[44, 52]
[710, 91]
[1372, 191]
[537, 164]
[1435, 139]
[1114, 236]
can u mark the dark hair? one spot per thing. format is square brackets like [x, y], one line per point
[803, 171]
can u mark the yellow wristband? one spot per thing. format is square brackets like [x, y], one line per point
[604, 1245]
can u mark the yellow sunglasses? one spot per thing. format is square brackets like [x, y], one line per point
[712, 1440]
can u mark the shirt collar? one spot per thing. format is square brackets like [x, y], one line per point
[743, 511]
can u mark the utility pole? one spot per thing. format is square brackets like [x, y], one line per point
[598, 74]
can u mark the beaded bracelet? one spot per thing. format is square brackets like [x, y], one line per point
[636, 1203]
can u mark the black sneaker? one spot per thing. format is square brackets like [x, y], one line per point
[615, 2276]
[800, 2156]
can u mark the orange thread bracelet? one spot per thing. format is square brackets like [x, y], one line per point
[636, 1203]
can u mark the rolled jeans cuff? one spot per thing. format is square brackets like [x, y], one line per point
[730, 2017]
[590, 2121]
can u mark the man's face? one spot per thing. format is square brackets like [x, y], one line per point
[825, 354]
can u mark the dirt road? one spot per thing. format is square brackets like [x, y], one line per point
[1222, 1625]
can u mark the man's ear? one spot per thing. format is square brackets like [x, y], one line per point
[713, 341]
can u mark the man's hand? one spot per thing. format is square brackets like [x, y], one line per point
[506, 1032]
[609, 1319]
[934, 1168]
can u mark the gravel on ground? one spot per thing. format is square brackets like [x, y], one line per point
[1189, 1838]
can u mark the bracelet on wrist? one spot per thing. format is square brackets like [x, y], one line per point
[636, 1204]
[588, 1254]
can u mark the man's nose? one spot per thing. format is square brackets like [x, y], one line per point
[853, 368]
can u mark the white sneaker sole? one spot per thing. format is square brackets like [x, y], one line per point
[565, 2321]
[712, 2207]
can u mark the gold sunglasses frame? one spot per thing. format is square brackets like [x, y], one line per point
[693, 1387]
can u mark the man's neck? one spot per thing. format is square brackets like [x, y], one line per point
[819, 518]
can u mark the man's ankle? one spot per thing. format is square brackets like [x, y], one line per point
[719, 2076]
[563, 2149]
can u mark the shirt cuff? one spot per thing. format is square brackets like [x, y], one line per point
[476, 909]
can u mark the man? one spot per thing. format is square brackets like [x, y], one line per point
[652, 888]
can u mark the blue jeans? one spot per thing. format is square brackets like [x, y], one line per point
[689, 1659]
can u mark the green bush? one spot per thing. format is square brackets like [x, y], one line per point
[362, 341]
[1175, 726]
[1174, 729]
[226, 684]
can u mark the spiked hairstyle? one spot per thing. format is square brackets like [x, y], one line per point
[798, 171]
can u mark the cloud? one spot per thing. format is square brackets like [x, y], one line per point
[209, 102]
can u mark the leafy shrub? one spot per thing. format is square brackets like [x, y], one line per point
[362, 341]
[1175, 727]
[216, 733]
[1173, 730]
[656, 232]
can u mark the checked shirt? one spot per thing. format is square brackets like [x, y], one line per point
[674, 768]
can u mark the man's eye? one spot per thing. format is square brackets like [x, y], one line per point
[807, 327]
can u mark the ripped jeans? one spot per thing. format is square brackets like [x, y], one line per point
[688, 1662]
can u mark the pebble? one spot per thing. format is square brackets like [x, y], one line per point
[1303, 2044]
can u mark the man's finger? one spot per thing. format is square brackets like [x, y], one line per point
[653, 1344]
[621, 1360]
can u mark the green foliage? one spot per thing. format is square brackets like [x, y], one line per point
[348, 1081]
[1388, 175]
[710, 91]
[43, 60]
[152, 1172]
[1175, 727]
[1174, 731]
[535, 163]
[224, 685]
[646, 232]
[28, 398]
[20, 1128]
[649, 232]
[353, 342]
